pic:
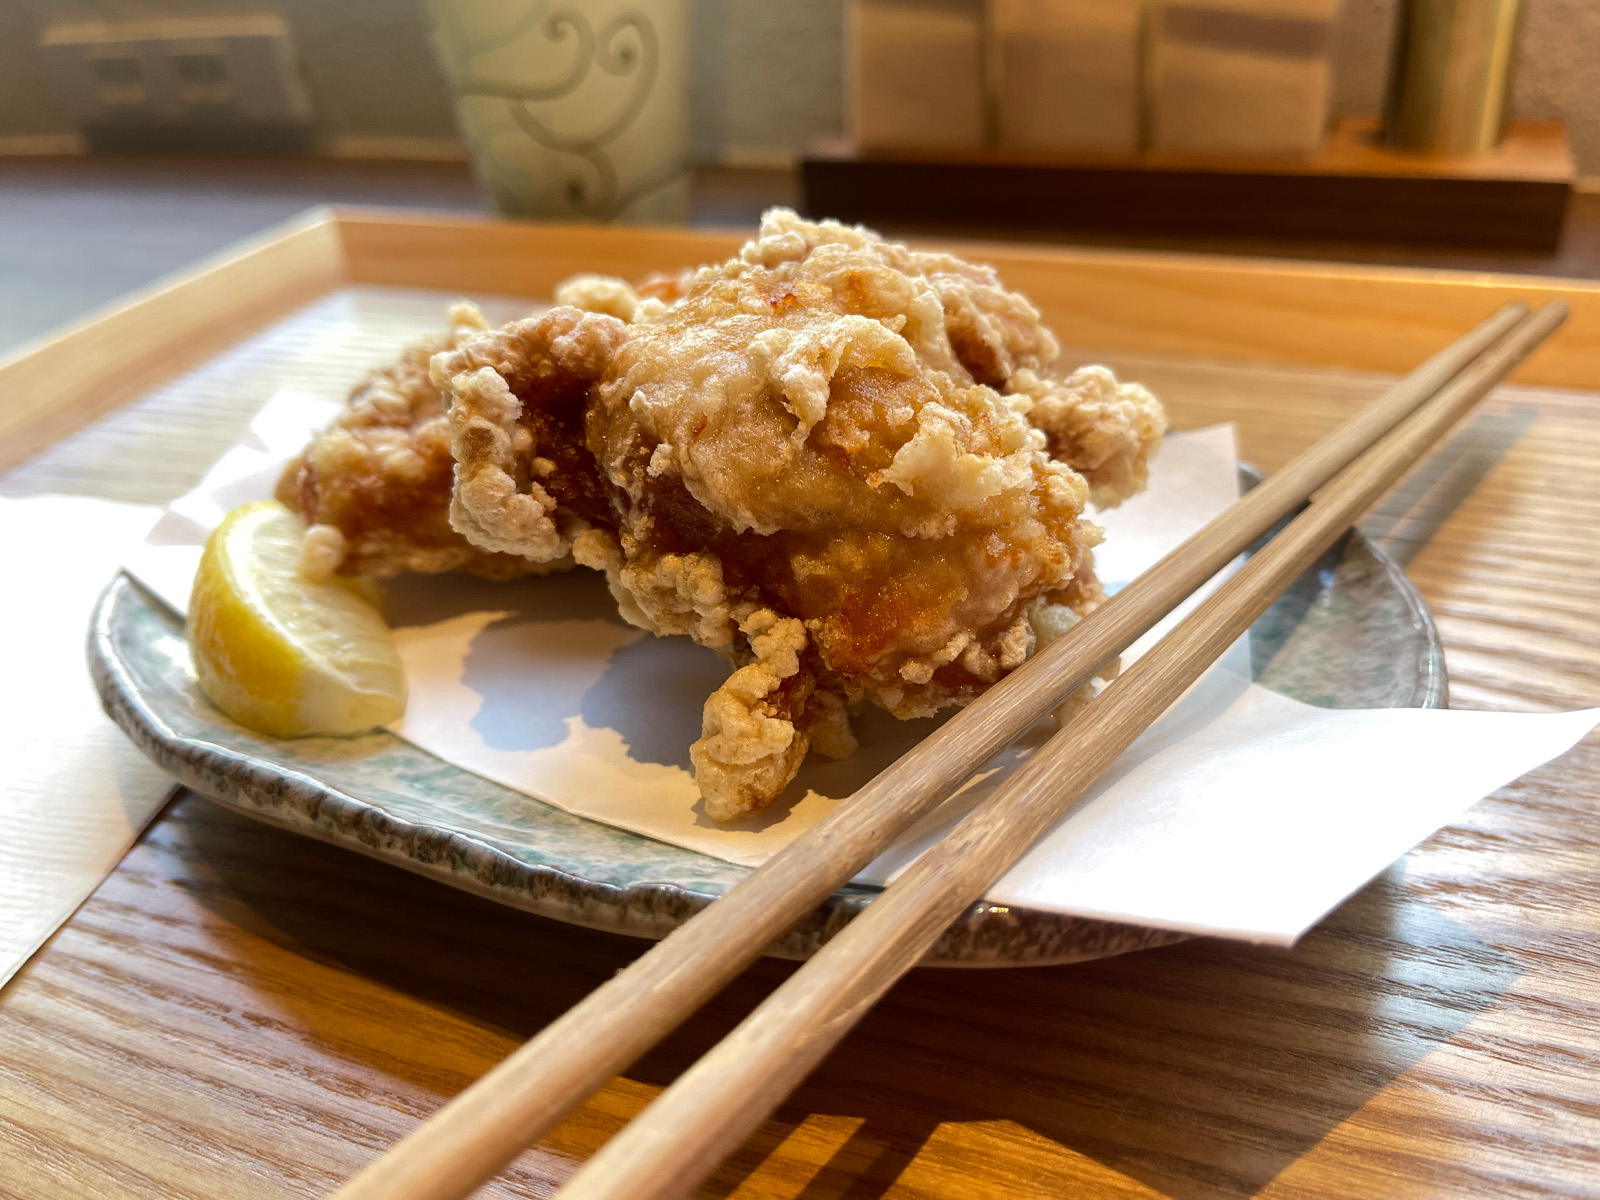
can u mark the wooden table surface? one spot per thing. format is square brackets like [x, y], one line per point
[240, 1012]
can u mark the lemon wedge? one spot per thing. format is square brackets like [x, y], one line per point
[280, 653]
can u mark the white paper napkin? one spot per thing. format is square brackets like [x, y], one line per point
[1240, 813]
[74, 793]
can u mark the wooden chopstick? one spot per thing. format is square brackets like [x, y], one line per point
[479, 1131]
[713, 1106]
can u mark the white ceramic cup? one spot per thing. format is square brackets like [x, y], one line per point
[574, 109]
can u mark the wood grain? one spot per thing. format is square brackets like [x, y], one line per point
[238, 1013]
[523, 1097]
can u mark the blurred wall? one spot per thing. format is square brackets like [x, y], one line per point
[768, 74]
[366, 63]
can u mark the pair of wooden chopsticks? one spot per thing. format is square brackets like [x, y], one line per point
[706, 1113]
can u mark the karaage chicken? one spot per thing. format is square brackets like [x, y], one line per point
[849, 466]
[375, 486]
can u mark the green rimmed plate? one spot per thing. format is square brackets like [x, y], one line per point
[1351, 633]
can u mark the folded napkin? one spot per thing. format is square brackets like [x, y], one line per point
[1240, 813]
[74, 793]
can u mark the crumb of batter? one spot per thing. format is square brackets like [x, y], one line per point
[322, 550]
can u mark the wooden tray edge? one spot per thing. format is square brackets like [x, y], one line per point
[71, 376]
[1118, 301]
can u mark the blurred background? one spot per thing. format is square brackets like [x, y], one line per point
[138, 135]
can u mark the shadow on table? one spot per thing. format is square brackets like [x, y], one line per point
[1201, 1070]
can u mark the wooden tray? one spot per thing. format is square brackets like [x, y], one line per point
[239, 1012]
[1365, 318]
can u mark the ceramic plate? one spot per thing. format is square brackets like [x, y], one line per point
[1352, 633]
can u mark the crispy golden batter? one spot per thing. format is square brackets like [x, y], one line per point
[620, 299]
[847, 465]
[375, 486]
[525, 482]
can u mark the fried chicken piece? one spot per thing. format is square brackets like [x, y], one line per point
[1103, 428]
[844, 464]
[375, 486]
[525, 482]
[621, 299]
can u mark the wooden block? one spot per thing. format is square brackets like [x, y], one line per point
[1068, 74]
[916, 73]
[1349, 190]
[1240, 77]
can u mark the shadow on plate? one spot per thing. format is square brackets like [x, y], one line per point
[569, 624]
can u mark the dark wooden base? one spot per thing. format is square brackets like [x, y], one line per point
[1352, 190]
